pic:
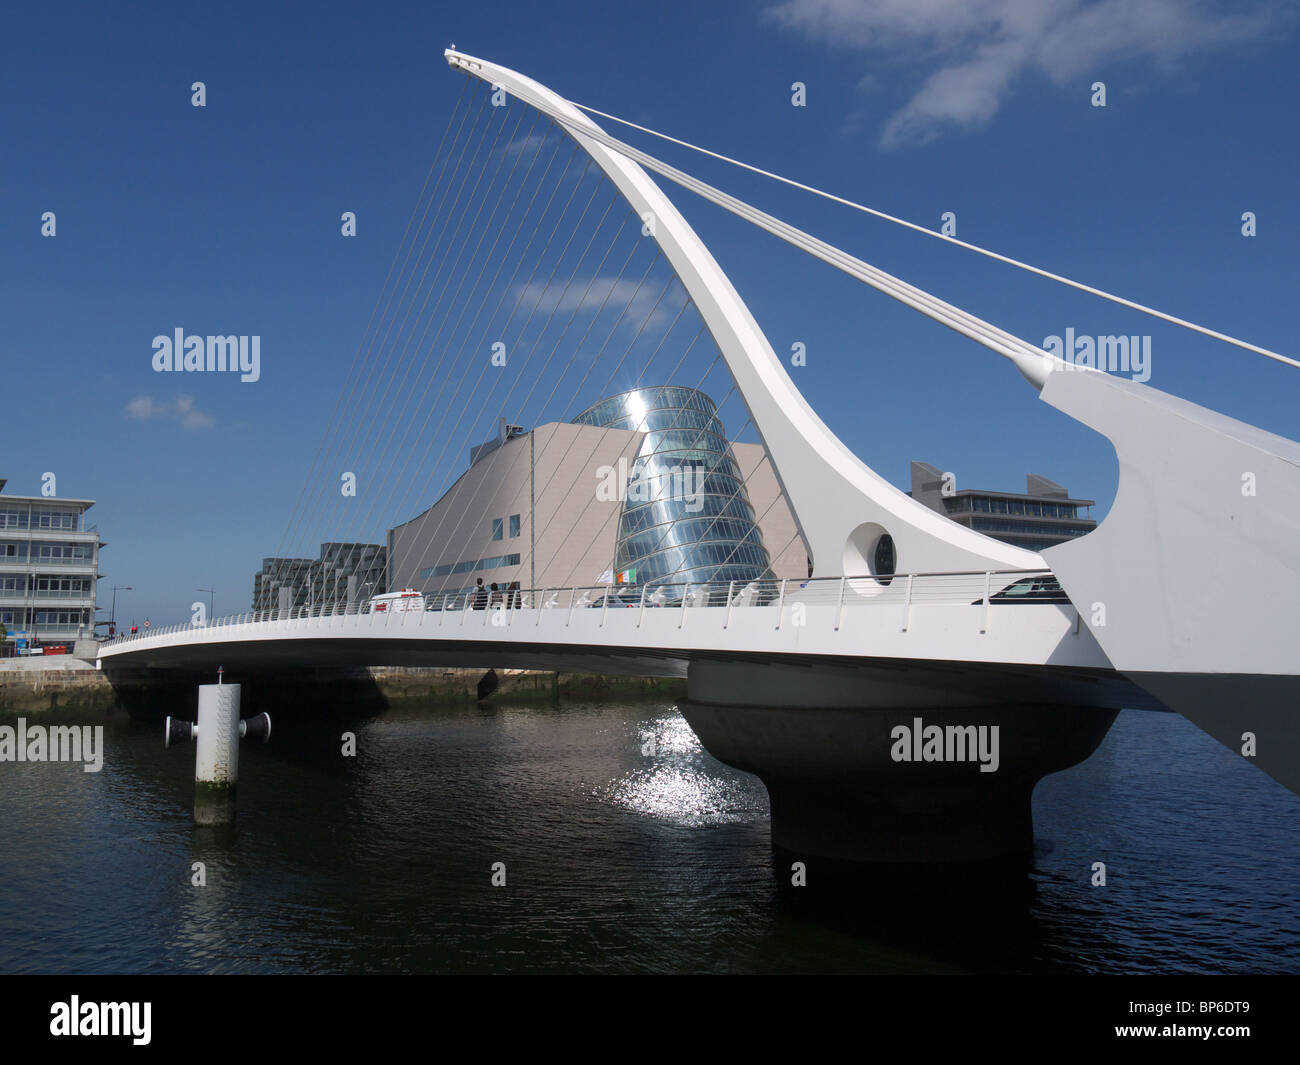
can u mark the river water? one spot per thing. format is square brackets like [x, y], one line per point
[626, 848]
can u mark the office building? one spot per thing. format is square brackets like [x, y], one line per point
[49, 571]
[1044, 515]
[343, 574]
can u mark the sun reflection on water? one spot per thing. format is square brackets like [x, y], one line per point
[677, 781]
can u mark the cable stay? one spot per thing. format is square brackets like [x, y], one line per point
[649, 162]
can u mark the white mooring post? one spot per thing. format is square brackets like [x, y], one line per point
[216, 759]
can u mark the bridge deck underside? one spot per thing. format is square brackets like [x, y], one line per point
[884, 681]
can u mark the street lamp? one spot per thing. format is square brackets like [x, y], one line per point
[211, 593]
[116, 589]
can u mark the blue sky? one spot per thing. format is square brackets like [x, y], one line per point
[225, 219]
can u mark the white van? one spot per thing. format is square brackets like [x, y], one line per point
[408, 599]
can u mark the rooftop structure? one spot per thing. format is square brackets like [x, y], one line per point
[1043, 515]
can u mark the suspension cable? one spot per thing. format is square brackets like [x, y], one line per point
[1019, 264]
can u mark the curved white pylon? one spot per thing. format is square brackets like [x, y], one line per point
[842, 506]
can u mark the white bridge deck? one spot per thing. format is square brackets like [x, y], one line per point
[953, 623]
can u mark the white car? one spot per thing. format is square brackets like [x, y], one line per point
[408, 599]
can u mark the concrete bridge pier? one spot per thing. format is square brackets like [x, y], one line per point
[824, 741]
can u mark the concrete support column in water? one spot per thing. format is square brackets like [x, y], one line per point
[216, 761]
[851, 779]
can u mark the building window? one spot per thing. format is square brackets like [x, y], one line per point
[514, 525]
[469, 566]
[498, 528]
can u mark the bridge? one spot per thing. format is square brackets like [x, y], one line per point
[909, 621]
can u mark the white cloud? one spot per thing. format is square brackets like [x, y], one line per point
[533, 142]
[180, 409]
[535, 154]
[632, 302]
[977, 50]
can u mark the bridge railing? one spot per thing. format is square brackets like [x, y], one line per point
[899, 590]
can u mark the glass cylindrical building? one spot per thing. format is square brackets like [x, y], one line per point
[686, 517]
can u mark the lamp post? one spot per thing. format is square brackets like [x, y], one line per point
[116, 589]
[211, 593]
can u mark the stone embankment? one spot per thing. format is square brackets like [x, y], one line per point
[33, 685]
